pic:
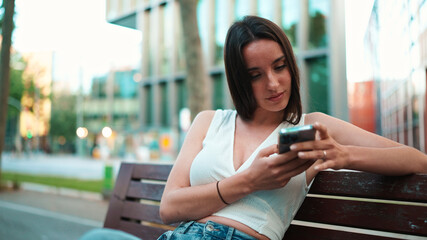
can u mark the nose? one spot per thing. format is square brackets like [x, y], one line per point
[272, 81]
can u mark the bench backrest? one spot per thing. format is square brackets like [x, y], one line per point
[340, 205]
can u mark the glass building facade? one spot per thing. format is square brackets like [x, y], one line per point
[315, 28]
[396, 41]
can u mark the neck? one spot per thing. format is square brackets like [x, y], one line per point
[265, 118]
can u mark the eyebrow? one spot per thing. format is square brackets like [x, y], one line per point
[275, 61]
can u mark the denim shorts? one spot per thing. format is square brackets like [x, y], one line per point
[205, 231]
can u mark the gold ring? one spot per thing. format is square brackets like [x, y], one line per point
[324, 155]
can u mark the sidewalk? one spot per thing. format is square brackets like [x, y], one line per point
[76, 206]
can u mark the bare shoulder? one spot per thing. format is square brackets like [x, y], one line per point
[202, 121]
[193, 143]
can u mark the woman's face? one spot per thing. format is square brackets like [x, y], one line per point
[271, 80]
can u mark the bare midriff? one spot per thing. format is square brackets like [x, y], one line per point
[234, 224]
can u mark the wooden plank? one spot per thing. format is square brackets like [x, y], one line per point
[141, 231]
[112, 218]
[368, 185]
[141, 190]
[152, 171]
[368, 215]
[296, 232]
[143, 212]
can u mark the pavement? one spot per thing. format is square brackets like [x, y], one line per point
[51, 206]
[80, 207]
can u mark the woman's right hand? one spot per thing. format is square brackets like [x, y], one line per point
[271, 170]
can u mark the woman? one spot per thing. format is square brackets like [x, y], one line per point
[228, 179]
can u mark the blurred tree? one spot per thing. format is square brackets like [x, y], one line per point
[16, 89]
[7, 29]
[63, 123]
[16, 82]
[196, 74]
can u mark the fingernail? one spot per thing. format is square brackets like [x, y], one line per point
[301, 154]
[293, 147]
[316, 167]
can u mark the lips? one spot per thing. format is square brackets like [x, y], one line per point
[276, 97]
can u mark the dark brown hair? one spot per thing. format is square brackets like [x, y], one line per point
[240, 34]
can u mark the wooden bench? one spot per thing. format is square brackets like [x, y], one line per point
[340, 205]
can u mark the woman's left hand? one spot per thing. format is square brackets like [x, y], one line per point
[333, 154]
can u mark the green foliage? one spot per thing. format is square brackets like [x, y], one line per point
[17, 87]
[317, 34]
[63, 119]
[55, 181]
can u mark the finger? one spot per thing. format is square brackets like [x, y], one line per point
[265, 152]
[325, 165]
[298, 170]
[291, 165]
[317, 154]
[310, 145]
[322, 130]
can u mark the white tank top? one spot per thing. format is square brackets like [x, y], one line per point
[268, 212]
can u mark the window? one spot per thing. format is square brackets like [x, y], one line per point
[182, 95]
[148, 93]
[318, 13]
[318, 77]
[290, 19]
[166, 39]
[164, 109]
[221, 27]
[218, 91]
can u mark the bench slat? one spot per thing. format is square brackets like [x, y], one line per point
[142, 190]
[114, 212]
[141, 212]
[141, 231]
[152, 171]
[367, 185]
[404, 219]
[296, 232]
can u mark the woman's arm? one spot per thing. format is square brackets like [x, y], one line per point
[350, 147]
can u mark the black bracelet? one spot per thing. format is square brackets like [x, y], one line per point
[219, 194]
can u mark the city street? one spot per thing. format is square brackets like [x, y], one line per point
[34, 215]
[48, 213]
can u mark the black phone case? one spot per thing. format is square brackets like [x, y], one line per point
[288, 138]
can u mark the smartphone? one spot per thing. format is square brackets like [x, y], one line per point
[289, 136]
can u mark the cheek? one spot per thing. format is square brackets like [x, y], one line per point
[257, 89]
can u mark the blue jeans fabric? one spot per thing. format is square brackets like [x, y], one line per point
[205, 231]
[107, 234]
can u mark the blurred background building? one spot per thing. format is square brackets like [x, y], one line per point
[396, 47]
[316, 30]
[138, 109]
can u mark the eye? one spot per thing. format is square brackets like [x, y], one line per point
[253, 77]
[280, 67]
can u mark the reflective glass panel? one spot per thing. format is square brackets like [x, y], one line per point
[266, 9]
[218, 92]
[221, 27]
[318, 77]
[165, 64]
[164, 117]
[242, 9]
[318, 11]
[290, 19]
[148, 92]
